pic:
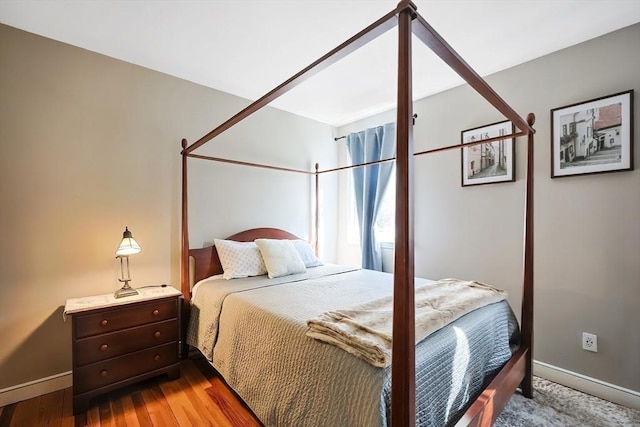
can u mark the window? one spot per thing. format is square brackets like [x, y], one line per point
[386, 221]
[385, 227]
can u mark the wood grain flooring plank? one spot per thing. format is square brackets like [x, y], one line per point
[67, 408]
[200, 400]
[93, 416]
[159, 409]
[45, 407]
[231, 406]
[199, 385]
[53, 402]
[129, 412]
[118, 413]
[142, 414]
[106, 416]
[182, 408]
[26, 413]
[80, 420]
[7, 415]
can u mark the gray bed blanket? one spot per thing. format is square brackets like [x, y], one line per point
[253, 332]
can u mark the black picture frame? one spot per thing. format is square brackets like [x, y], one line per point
[594, 136]
[491, 162]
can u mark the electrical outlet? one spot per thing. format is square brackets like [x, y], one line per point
[589, 342]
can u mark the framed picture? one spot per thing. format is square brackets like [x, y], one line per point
[489, 162]
[593, 136]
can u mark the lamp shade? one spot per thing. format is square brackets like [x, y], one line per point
[128, 245]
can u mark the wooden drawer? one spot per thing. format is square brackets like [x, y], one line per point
[110, 371]
[113, 344]
[109, 320]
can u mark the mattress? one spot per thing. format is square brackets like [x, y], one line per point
[252, 331]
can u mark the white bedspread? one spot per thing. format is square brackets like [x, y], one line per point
[253, 332]
[209, 294]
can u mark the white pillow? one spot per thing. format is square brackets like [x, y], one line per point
[280, 257]
[306, 253]
[239, 259]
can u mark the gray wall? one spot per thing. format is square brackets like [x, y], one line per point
[89, 145]
[587, 228]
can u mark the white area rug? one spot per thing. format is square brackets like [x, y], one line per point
[555, 405]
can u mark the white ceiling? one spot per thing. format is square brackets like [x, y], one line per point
[249, 47]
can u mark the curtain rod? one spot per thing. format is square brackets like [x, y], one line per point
[344, 136]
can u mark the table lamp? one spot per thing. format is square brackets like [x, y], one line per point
[128, 246]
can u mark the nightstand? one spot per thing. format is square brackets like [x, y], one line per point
[117, 342]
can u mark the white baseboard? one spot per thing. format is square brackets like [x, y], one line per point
[611, 392]
[35, 388]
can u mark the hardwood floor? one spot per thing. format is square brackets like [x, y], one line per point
[198, 398]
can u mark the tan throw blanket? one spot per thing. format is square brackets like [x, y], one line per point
[365, 330]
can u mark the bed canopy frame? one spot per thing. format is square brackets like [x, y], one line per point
[518, 370]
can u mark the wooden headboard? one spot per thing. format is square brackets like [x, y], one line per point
[207, 262]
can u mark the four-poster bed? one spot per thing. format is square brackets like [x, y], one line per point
[517, 371]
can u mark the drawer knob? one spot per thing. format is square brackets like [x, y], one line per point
[157, 334]
[103, 373]
[156, 312]
[104, 322]
[156, 357]
[104, 347]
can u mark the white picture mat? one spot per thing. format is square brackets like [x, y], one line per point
[557, 114]
[486, 132]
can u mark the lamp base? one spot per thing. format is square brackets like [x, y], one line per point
[125, 291]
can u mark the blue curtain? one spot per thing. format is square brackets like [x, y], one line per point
[370, 183]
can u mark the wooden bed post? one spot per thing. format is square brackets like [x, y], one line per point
[403, 378]
[184, 254]
[527, 286]
[316, 236]
[185, 287]
[518, 370]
